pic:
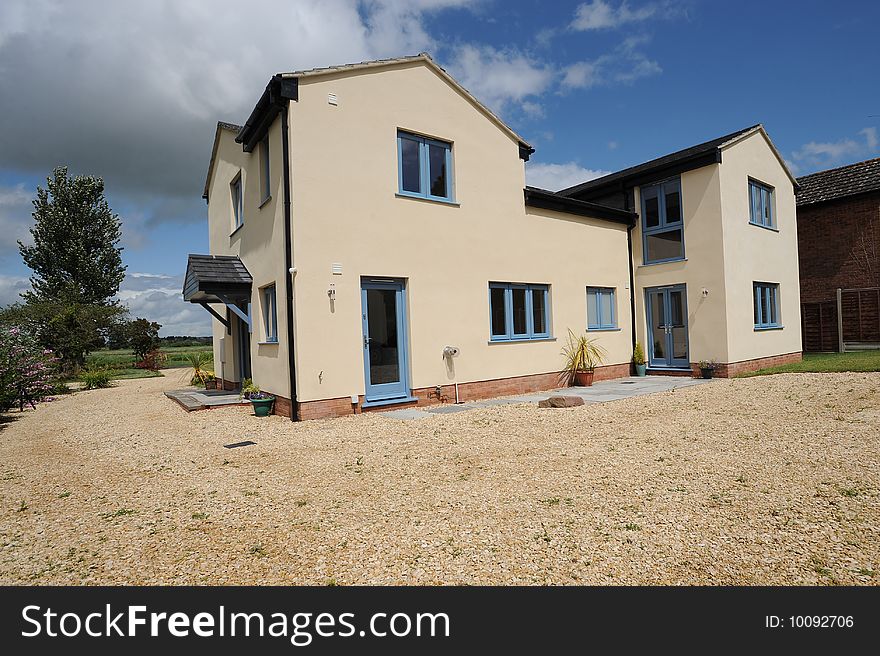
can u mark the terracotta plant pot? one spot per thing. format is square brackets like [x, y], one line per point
[583, 378]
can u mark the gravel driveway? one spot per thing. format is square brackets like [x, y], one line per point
[765, 480]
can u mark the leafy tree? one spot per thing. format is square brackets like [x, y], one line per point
[75, 256]
[143, 336]
[70, 330]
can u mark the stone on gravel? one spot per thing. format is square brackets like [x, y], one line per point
[561, 402]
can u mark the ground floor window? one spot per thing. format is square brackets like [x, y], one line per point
[766, 305]
[519, 311]
[270, 314]
[601, 312]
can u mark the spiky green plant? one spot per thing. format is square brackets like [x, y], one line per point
[581, 353]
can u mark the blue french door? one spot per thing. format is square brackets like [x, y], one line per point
[667, 327]
[383, 306]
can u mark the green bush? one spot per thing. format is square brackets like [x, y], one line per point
[96, 378]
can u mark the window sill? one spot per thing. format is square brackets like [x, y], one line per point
[760, 329]
[425, 199]
[770, 228]
[264, 201]
[603, 330]
[521, 340]
[650, 264]
[267, 343]
[232, 234]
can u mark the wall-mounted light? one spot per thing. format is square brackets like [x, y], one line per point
[704, 292]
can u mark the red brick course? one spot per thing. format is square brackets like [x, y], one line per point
[829, 234]
[426, 396]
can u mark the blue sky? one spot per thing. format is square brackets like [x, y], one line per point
[131, 91]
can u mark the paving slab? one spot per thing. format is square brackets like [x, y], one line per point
[600, 392]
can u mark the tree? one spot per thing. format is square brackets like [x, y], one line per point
[70, 330]
[75, 256]
[77, 268]
[143, 336]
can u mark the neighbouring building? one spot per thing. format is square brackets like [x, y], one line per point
[373, 244]
[838, 214]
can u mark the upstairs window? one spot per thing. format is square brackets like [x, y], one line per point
[424, 167]
[265, 187]
[237, 202]
[766, 305]
[761, 205]
[519, 311]
[662, 226]
[270, 314]
[601, 314]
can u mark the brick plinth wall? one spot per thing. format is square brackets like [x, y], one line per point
[426, 396]
[730, 369]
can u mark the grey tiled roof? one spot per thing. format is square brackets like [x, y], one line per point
[840, 182]
[658, 163]
[219, 268]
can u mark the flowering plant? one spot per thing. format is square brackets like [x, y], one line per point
[27, 370]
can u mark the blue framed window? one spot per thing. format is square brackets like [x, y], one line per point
[601, 308]
[237, 202]
[662, 226]
[424, 167]
[265, 187]
[519, 311]
[761, 205]
[270, 314]
[766, 305]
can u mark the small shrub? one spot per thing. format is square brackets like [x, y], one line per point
[153, 361]
[96, 378]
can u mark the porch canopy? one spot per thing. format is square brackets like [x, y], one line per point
[218, 279]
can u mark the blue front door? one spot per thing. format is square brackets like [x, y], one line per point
[667, 327]
[383, 312]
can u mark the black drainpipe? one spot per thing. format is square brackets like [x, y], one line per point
[632, 280]
[288, 258]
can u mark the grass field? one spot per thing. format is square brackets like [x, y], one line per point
[121, 361]
[825, 363]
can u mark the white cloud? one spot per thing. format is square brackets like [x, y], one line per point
[598, 14]
[11, 288]
[624, 65]
[158, 297]
[15, 217]
[500, 77]
[602, 15]
[559, 176]
[817, 155]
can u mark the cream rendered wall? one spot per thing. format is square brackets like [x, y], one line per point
[260, 245]
[753, 253]
[344, 170]
[702, 268]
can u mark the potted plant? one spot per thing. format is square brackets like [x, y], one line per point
[262, 401]
[197, 361]
[639, 361]
[582, 355]
[707, 368]
[210, 380]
